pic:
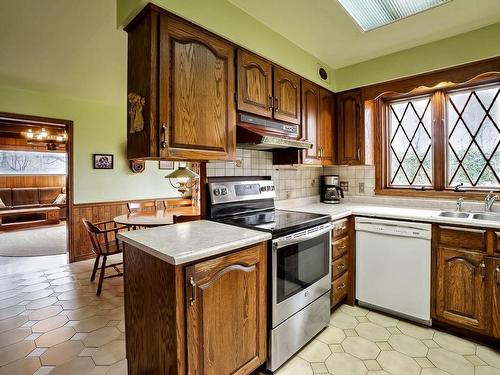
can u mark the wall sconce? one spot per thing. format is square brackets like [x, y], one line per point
[180, 178]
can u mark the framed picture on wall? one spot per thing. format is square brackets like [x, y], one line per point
[103, 161]
[166, 164]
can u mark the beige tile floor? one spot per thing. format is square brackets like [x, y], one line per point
[51, 322]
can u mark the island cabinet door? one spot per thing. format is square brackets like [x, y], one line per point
[286, 96]
[226, 313]
[461, 288]
[255, 84]
[196, 93]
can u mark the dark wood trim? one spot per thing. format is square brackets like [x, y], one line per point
[107, 203]
[14, 118]
[457, 75]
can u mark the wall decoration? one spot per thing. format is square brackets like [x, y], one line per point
[137, 166]
[136, 104]
[103, 161]
[166, 164]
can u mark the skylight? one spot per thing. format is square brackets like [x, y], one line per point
[370, 14]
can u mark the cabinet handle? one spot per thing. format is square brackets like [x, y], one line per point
[359, 153]
[271, 102]
[163, 143]
[192, 284]
[276, 107]
[482, 270]
[340, 267]
[497, 275]
[340, 287]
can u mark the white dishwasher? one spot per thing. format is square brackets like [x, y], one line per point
[393, 267]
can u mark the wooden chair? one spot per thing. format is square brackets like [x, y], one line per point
[141, 206]
[185, 218]
[104, 243]
[178, 202]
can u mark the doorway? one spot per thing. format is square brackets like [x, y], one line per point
[36, 191]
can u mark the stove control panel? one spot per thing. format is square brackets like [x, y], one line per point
[235, 191]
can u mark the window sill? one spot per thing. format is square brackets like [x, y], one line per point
[444, 194]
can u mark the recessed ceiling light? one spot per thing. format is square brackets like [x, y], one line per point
[370, 14]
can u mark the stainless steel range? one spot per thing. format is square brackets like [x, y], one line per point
[299, 260]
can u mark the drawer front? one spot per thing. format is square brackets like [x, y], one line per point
[340, 228]
[340, 288]
[339, 266]
[463, 238]
[340, 247]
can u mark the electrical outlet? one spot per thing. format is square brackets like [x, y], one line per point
[361, 187]
[344, 185]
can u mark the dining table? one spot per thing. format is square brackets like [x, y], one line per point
[155, 218]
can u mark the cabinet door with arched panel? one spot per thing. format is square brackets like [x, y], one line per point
[286, 96]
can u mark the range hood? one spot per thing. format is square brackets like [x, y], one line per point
[256, 133]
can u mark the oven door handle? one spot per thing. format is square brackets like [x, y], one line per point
[282, 242]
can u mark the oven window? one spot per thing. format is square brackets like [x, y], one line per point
[301, 265]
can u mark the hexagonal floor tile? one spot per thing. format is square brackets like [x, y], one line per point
[454, 344]
[414, 330]
[450, 362]
[408, 345]
[110, 353]
[343, 320]
[15, 351]
[488, 355]
[91, 324]
[78, 365]
[397, 363]
[487, 370]
[433, 371]
[49, 324]
[372, 332]
[315, 351]
[54, 337]
[22, 366]
[361, 347]
[354, 310]
[61, 353]
[45, 312]
[345, 364]
[381, 319]
[331, 335]
[13, 336]
[295, 366]
[101, 336]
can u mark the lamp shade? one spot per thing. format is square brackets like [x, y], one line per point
[182, 173]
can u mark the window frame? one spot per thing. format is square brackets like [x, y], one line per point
[380, 117]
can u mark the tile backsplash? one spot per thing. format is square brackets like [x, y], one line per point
[290, 181]
[354, 176]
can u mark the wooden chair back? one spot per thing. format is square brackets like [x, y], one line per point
[185, 218]
[177, 202]
[103, 240]
[141, 206]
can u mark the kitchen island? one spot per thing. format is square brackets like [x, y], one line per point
[195, 299]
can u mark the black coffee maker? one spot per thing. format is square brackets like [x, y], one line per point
[331, 192]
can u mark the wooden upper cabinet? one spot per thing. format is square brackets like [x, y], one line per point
[184, 76]
[350, 128]
[255, 84]
[286, 88]
[311, 122]
[327, 131]
[226, 313]
[461, 288]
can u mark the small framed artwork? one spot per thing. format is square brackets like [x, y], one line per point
[166, 164]
[103, 161]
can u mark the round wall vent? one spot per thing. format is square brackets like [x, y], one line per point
[323, 74]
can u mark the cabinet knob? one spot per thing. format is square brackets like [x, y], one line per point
[340, 267]
[342, 286]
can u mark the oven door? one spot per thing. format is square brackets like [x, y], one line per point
[300, 270]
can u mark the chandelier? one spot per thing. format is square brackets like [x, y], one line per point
[42, 137]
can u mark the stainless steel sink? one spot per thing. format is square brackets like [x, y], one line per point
[458, 215]
[486, 216]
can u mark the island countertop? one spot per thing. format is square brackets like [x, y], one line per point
[191, 241]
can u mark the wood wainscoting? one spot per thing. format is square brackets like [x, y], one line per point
[80, 247]
[13, 181]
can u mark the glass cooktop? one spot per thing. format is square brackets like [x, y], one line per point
[278, 222]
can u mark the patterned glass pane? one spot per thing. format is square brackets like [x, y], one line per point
[473, 134]
[410, 145]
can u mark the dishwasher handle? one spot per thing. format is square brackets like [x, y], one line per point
[400, 229]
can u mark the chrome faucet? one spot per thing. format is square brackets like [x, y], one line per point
[460, 201]
[489, 200]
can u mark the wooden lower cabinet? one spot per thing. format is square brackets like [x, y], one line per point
[494, 271]
[461, 288]
[203, 318]
[342, 262]
[226, 313]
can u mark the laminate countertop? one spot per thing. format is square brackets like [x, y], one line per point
[339, 211]
[192, 241]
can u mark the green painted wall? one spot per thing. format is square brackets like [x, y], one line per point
[98, 128]
[472, 46]
[230, 22]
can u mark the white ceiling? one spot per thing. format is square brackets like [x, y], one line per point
[325, 30]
